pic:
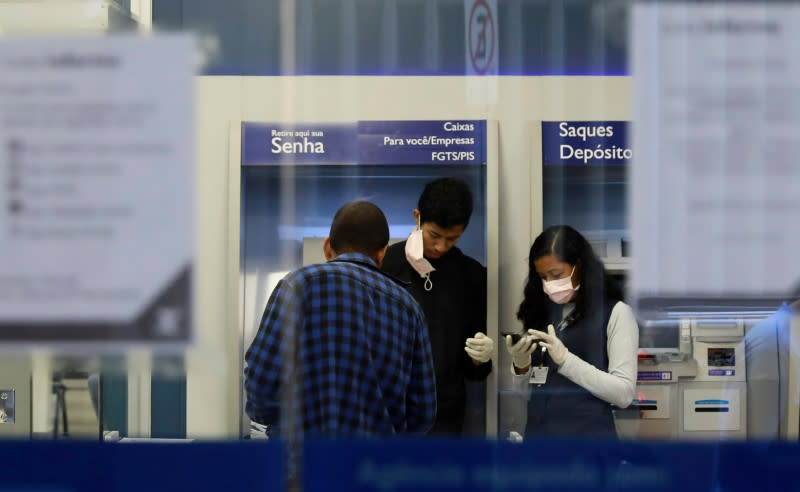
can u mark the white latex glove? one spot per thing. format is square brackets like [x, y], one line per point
[480, 348]
[558, 352]
[520, 351]
[515, 437]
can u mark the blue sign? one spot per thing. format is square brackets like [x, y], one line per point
[394, 465]
[79, 466]
[585, 142]
[365, 142]
[465, 465]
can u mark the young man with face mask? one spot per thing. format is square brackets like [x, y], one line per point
[588, 337]
[451, 288]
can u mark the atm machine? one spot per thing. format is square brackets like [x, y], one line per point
[294, 176]
[691, 382]
[714, 402]
[588, 193]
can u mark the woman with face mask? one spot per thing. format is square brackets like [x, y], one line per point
[579, 353]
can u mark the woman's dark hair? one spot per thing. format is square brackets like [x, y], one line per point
[596, 287]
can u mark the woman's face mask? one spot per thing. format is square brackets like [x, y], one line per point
[560, 290]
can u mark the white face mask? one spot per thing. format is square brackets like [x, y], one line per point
[415, 256]
[560, 290]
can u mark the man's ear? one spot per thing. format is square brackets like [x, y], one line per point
[378, 256]
[328, 250]
[415, 214]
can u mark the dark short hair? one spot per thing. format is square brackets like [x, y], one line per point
[359, 226]
[446, 202]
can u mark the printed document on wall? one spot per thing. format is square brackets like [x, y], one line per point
[715, 194]
[97, 171]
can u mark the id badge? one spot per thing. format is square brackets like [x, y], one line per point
[539, 375]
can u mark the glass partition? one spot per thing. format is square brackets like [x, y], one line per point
[552, 88]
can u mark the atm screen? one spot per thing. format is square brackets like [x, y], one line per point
[721, 357]
[659, 336]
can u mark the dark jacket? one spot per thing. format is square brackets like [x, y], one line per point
[560, 407]
[455, 310]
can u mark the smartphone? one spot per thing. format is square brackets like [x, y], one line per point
[515, 337]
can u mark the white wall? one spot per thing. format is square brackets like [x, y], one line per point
[214, 365]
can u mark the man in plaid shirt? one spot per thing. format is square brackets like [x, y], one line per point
[343, 348]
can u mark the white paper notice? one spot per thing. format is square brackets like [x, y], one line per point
[97, 172]
[715, 194]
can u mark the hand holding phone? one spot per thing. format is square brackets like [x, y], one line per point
[520, 352]
[515, 337]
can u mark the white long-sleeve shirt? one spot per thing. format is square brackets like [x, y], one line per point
[618, 385]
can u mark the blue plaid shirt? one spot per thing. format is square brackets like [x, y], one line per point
[346, 349]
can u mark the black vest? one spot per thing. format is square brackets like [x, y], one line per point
[561, 408]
